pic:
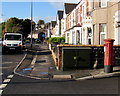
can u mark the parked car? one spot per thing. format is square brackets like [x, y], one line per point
[38, 41]
[12, 41]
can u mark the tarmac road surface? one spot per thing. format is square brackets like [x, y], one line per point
[23, 85]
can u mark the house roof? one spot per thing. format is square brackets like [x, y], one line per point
[69, 7]
[53, 23]
[60, 14]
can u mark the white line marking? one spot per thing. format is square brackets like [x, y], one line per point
[2, 86]
[1, 92]
[6, 80]
[19, 63]
[1, 73]
[10, 76]
[34, 60]
[9, 62]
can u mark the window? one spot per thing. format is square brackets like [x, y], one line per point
[83, 36]
[94, 4]
[13, 37]
[102, 27]
[73, 37]
[102, 33]
[83, 11]
[89, 35]
[89, 41]
[89, 32]
[103, 3]
[78, 37]
[68, 36]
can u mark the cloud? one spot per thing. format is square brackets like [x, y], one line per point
[60, 4]
[2, 19]
[69, 1]
[64, 1]
[57, 5]
[46, 19]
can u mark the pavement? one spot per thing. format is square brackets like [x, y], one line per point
[39, 64]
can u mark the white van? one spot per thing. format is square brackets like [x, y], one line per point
[12, 41]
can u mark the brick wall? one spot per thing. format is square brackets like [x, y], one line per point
[96, 55]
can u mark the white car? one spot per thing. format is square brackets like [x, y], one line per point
[12, 41]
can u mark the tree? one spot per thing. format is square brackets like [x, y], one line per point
[26, 27]
[40, 22]
[18, 26]
[2, 28]
[12, 24]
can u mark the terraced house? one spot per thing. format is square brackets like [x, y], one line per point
[106, 21]
[92, 21]
[79, 24]
[89, 22]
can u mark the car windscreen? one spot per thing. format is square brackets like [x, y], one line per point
[12, 37]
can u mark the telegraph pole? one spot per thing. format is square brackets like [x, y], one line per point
[31, 22]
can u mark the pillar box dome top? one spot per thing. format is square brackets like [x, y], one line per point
[109, 40]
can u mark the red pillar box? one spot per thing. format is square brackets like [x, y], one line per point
[108, 55]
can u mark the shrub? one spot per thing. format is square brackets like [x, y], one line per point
[57, 40]
[47, 39]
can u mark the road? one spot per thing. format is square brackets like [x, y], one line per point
[9, 62]
[22, 85]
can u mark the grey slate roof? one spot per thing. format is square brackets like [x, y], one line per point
[69, 7]
[60, 14]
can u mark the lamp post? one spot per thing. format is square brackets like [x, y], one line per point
[31, 23]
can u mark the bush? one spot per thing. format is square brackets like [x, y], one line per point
[47, 39]
[56, 40]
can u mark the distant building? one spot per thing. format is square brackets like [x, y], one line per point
[79, 24]
[59, 22]
[34, 35]
[88, 22]
[50, 28]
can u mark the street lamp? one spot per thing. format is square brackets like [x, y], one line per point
[31, 22]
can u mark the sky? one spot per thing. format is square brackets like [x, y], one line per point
[45, 10]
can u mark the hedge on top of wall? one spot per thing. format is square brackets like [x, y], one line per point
[57, 40]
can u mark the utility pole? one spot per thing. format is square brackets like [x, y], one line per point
[31, 22]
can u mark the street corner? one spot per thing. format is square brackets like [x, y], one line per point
[61, 77]
[107, 75]
[99, 76]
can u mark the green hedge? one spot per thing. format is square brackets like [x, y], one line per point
[57, 40]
